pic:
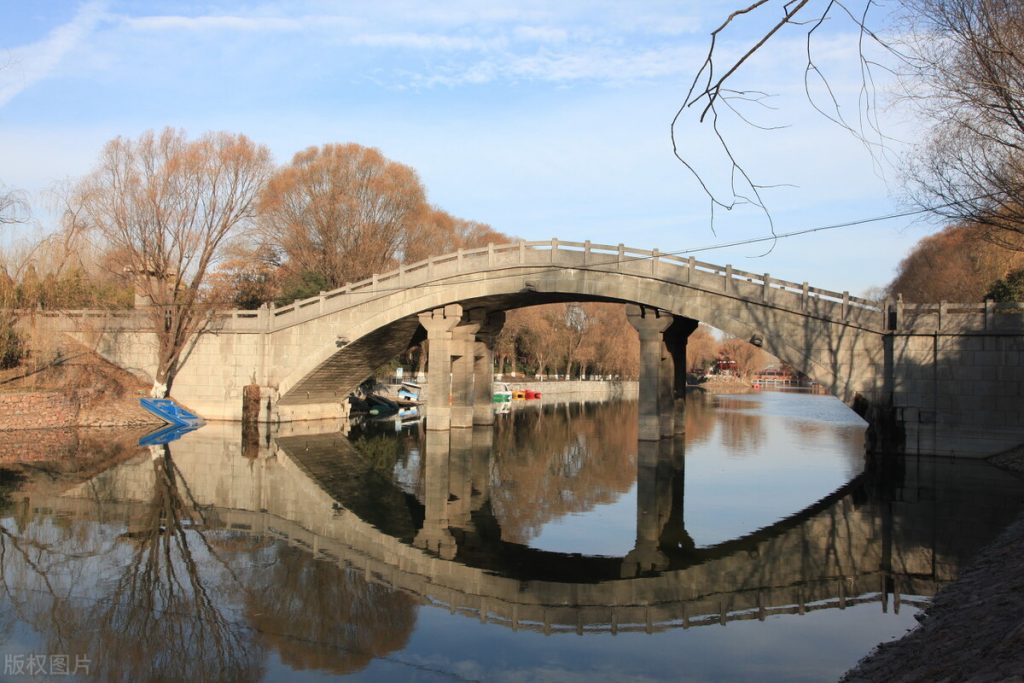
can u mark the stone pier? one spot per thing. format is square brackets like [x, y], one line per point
[651, 324]
[435, 536]
[676, 337]
[463, 349]
[439, 324]
[483, 367]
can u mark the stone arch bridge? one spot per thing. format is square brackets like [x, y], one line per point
[941, 378]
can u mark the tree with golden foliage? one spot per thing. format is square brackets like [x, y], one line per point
[438, 232]
[168, 206]
[340, 211]
[701, 349]
[952, 265]
[749, 358]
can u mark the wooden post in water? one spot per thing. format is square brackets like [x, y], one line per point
[251, 421]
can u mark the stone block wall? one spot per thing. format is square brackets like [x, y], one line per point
[37, 410]
[959, 395]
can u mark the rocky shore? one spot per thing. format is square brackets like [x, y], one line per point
[974, 629]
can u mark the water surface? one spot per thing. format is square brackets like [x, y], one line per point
[553, 546]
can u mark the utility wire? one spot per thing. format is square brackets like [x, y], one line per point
[678, 252]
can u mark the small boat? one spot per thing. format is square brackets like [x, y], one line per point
[409, 392]
[381, 406]
[501, 393]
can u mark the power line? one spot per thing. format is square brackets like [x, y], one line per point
[679, 252]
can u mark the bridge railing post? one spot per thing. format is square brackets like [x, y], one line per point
[654, 262]
[846, 305]
[727, 285]
[990, 313]
[942, 316]
[622, 255]
[767, 289]
[401, 275]
[586, 252]
[264, 316]
[373, 283]
[803, 298]
[554, 249]
[691, 265]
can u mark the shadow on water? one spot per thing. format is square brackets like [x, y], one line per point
[190, 561]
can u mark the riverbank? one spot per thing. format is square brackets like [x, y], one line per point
[724, 384]
[578, 390]
[974, 629]
[77, 389]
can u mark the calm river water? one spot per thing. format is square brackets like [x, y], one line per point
[551, 547]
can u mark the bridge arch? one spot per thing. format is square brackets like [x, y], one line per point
[933, 376]
[323, 347]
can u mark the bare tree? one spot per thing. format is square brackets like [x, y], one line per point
[749, 358]
[342, 212]
[714, 95]
[13, 206]
[13, 209]
[961, 64]
[167, 206]
[701, 349]
[966, 77]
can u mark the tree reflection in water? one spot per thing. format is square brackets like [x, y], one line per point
[562, 459]
[163, 618]
[318, 615]
[742, 427]
[175, 597]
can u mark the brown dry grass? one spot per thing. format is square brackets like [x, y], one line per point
[72, 368]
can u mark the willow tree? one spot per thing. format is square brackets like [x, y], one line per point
[13, 206]
[340, 212]
[167, 207]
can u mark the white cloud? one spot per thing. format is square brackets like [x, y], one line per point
[541, 34]
[214, 23]
[32, 63]
[425, 41]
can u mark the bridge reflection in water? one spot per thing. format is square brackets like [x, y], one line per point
[320, 547]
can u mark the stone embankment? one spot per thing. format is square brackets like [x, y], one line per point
[576, 390]
[38, 426]
[974, 629]
[725, 384]
[37, 410]
[33, 410]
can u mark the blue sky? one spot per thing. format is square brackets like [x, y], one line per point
[542, 119]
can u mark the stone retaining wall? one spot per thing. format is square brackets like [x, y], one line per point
[37, 410]
[561, 390]
[591, 390]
